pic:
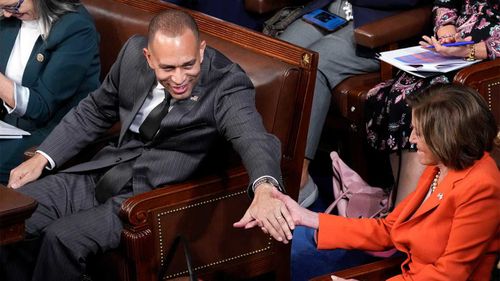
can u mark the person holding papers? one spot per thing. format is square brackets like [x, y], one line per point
[388, 122]
[49, 60]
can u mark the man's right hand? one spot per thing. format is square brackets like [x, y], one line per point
[28, 171]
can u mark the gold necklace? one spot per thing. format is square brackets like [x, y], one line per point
[435, 181]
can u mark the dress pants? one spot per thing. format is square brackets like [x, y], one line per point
[67, 226]
[337, 61]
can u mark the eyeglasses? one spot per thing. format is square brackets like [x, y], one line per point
[13, 8]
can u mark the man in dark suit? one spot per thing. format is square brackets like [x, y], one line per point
[174, 97]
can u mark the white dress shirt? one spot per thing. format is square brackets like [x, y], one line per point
[23, 46]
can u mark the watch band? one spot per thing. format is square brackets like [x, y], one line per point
[269, 180]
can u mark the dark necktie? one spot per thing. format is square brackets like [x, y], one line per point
[113, 181]
[118, 176]
[152, 122]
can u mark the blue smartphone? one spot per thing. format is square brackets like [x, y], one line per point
[324, 19]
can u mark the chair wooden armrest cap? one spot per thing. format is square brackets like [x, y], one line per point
[265, 6]
[379, 270]
[401, 26]
[15, 208]
[14, 205]
[477, 72]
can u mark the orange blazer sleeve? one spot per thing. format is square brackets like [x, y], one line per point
[353, 233]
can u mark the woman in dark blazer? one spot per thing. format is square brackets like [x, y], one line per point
[49, 60]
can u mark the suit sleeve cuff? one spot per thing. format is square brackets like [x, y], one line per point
[51, 164]
[21, 98]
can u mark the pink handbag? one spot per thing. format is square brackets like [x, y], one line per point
[354, 198]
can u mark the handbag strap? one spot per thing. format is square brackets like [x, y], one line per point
[170, 256]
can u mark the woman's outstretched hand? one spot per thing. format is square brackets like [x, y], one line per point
[300, 215]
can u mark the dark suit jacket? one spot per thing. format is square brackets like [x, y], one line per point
[222, 103]
[69, 70]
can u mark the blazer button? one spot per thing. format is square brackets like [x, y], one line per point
[40, 57]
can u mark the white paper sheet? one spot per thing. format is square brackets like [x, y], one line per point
[422, 62]
[8, 131]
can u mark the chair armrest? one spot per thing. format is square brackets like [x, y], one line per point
[379, 270]
[203, 211]
[478, 72]
[401, 26]
[15, 208]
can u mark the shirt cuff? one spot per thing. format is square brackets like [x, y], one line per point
[21, 98]
[51, 164]
[266, 179]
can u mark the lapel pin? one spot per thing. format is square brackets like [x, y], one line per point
[40, 57]
[194, 98]
[440, 196]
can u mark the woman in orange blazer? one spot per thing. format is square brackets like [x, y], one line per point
[449, 226]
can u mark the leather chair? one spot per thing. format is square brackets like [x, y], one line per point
[204, 209]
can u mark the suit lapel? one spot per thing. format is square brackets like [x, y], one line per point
[179, 110]
[37, 59]
[8, 35]
[182, 108]
[420, 192]
[143, 86]
[442, 191]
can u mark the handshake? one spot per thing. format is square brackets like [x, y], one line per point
[276, 214]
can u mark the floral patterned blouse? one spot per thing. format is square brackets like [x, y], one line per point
[477, 18]
[388, 117]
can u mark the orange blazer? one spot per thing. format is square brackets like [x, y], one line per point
[453, 235]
